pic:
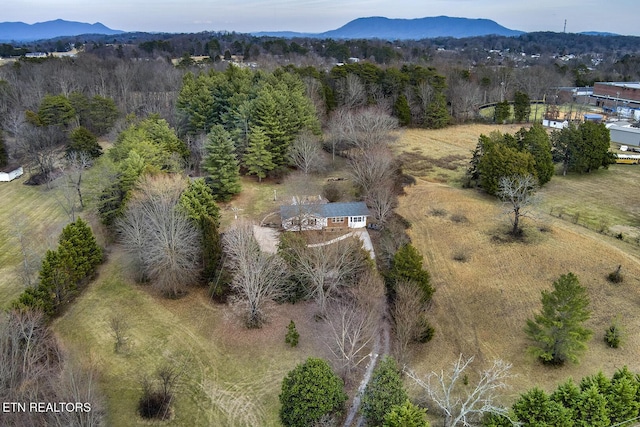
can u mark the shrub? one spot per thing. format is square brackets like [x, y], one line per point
[614, 335]
[459, 218]
[461, 255]
[292, 336]
[332, 192]
[425, 331]
[616, 276]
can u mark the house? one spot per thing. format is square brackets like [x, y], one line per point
[324, 216]
[10, 173]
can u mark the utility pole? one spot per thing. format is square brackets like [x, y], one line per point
[565, 26]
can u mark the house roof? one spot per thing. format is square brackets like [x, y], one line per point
[326, 210]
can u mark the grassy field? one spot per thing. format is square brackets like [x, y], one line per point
[35, 213]
[481, 303]
[232, 376]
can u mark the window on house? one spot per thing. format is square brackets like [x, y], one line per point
[338, 219]
[357, 219]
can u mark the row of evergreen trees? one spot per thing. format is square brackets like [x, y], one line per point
[596, 401]
[64, 270]
[532, 151]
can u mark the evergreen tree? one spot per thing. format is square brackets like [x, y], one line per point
[402, 110]
[592, 409]
[79, 250]
[383, 392]
[221, 164]
[501, 160]
[213, 271]
[436, 114]
[197, 201]
[406, 415]
[535, 409]
[536, 141]
[309, 392]
[521, 107]
[622, 396]
[55, 110]
[258, 160]
[568, 395]
[557, 332]
[407, 265]
[82, 140]
[584, 148]
[502, 112]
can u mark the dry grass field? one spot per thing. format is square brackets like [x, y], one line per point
[483, 299]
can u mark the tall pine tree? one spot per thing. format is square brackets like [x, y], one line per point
[557, 333]
[222, 164]
[258, 160]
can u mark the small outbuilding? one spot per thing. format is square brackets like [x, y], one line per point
[324, 216]
[624, 134]
[11, 172]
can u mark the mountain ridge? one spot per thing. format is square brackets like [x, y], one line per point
[406, 29]
[22, 32]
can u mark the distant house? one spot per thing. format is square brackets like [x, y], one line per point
[10, 173]
[324, 216]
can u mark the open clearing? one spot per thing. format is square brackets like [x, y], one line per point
[481, 304]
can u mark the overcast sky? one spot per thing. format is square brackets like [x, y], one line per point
[617, 16]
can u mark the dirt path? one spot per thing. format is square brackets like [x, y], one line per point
[381, 347]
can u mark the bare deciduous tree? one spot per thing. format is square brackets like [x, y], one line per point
[465, 404]
[163, 241]
[31, 259]
[517, 193]
[407, 312]
[364, 128]
[325, 268]
[382, 200]
[353, 320]
[371, 167]
[305, 153]
[119, 328]
[257, 276]
[352, 92]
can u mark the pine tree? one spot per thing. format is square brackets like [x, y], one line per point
[406, 415]
[383, 392]
[568, 395]
[402, 110]
[258, 160]
[197, 201]
[407, 265]
[78, 251]
[521, 106]
[222, 164]
[622, 397]
[557, 332]
[436, 114]
[535, 408]
[592, 409]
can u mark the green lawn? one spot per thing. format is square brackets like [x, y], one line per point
[34, 212]
[231, 376]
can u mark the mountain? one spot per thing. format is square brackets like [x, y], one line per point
[21, 32]
[408, 29]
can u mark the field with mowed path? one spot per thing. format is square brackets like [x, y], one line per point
[487, 286]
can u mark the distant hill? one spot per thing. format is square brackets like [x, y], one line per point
[407, 29]
[21, 32]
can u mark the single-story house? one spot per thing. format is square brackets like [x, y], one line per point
[324, 216]
[9, 173]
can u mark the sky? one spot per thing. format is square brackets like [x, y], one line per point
[315, 16]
